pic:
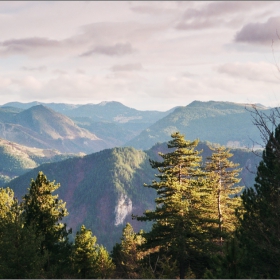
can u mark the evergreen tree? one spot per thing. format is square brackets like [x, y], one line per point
[44, 211]
[84, 254]
[6, 202]
[127, 256]
[105, 267]
[222, 178]
[20, 255]
[260, 224]
[90, 260]
[180, 217]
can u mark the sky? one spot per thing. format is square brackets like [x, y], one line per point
[146, 55]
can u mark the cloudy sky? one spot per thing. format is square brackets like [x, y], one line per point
[147, 55]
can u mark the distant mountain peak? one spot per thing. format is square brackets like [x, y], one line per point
[103, 103]
[214, 104]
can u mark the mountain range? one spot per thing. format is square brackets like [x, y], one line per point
[111, 121]
[111, 124]
[100, 153]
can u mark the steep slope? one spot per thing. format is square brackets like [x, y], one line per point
[103, 189]
[225, 123]
[7, 114]
[44, 128]
[17, 159]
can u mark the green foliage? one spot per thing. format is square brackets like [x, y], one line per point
[91, 186]
[104, 264]
[17, 159]
[222, 178]
[180, 218]
[44, 212]
[20, 255]
[260, 225]
[230, 263]
[84, 253]
[6, 203]
[127, 256]
[90, 260]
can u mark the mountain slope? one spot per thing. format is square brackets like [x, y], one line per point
[17, 159]
[105, 111]
[111, 121]
[225, 123]
[44, 128]
[103, 189]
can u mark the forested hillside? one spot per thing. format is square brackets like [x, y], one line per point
[225, 123]
[17, 159]
[104, 189]
[190, 214]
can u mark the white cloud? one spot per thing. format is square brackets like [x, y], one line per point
[262, 71]
[133, 52]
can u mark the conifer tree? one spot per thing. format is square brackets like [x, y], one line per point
[180, 216]
[126, 255]
[44, 211]
[6, 202]
[90, 260]
[20, 255]
[260, 224]
[84, 254]
[105, 267]
[222, 178]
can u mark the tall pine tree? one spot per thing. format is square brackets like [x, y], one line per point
[179, 230]
[222, 178]
[44, 211]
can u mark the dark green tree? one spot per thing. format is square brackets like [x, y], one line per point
[180, 231]
[260, 223]
[44, 211]
[20, 255]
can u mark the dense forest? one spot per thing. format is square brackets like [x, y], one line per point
[204, 224]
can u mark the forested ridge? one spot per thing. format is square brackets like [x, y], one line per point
[204, 224]
[103, 189]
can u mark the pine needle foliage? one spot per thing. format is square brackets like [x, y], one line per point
[260, 223]
[180, 218]
[222, 177]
